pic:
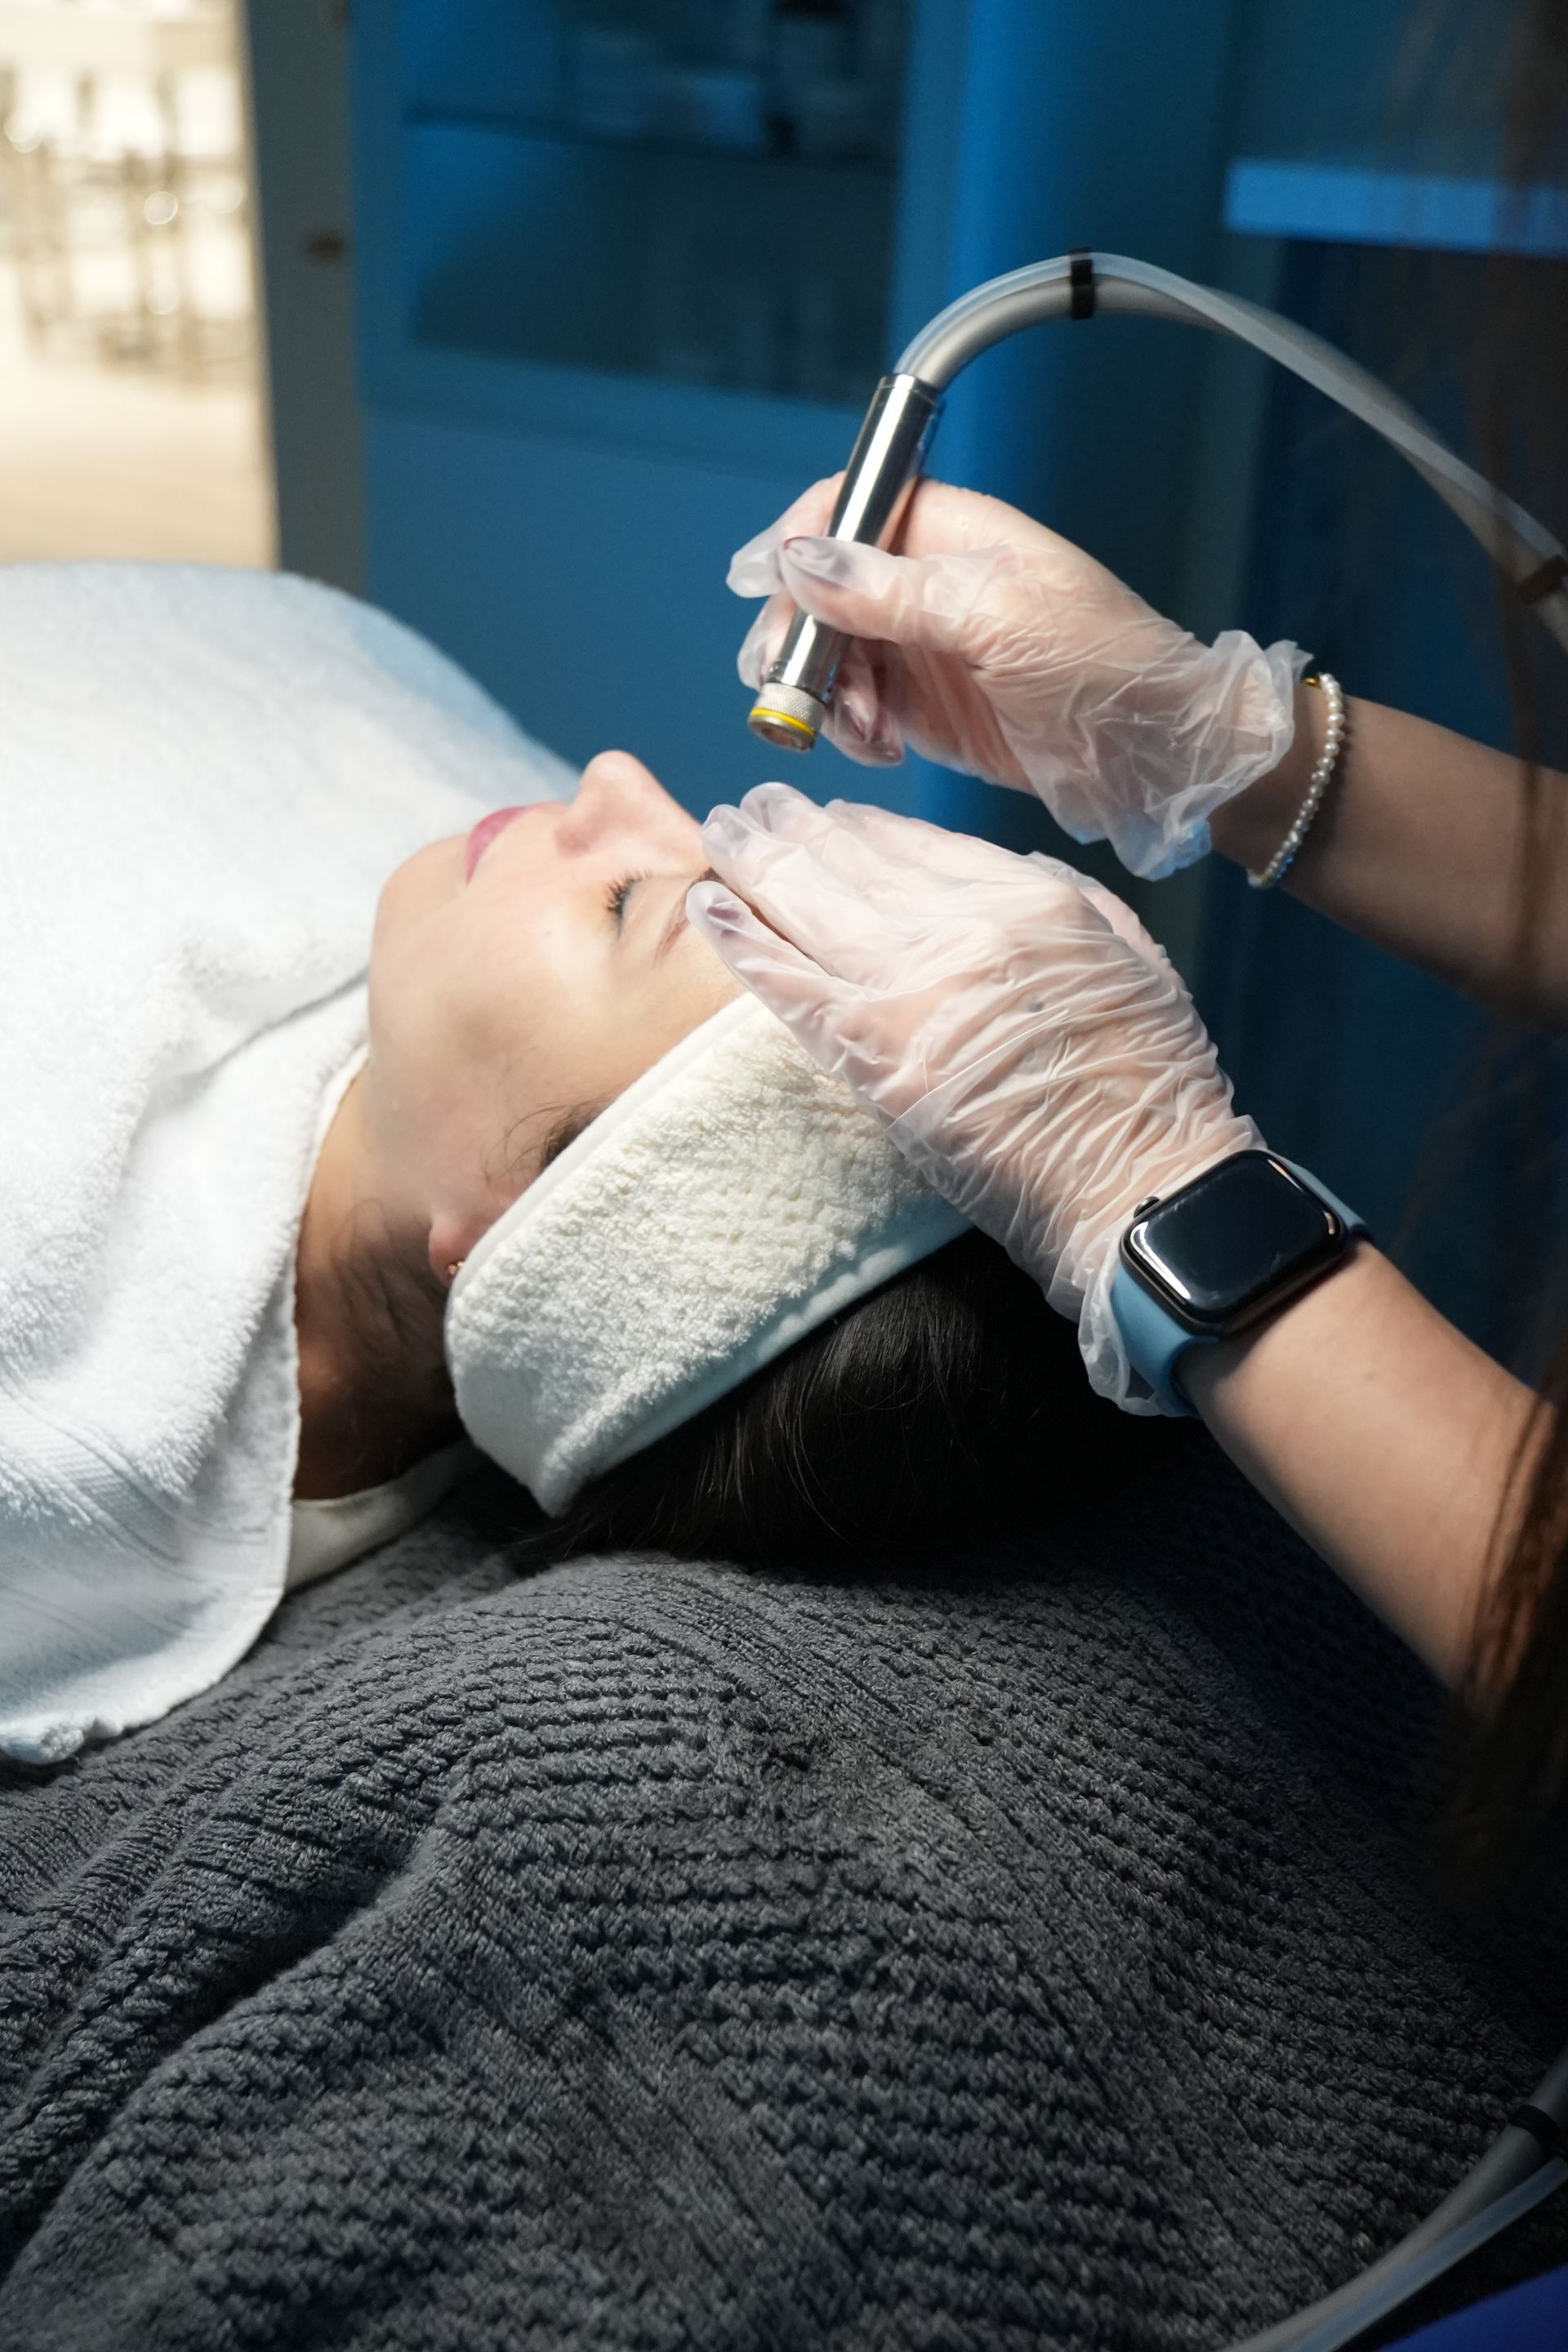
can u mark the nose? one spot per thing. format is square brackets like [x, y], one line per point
[617, 795]
[613, 781]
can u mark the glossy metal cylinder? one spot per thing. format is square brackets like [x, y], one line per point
[792, 707]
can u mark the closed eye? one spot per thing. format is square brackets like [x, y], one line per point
[678, 915]
[618, 894]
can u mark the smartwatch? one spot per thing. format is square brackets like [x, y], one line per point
[1219, 1254]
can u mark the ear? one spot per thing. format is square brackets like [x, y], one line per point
[450, 1240]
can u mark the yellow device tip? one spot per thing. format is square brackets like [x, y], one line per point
[782, 727]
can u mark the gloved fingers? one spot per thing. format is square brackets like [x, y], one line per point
[889, 862]
[939, 519]
[860, 721]
[754, 568]
[853, 1033]
[850, 1032]
[873, 869]
[829, 918]
[893, 927]
[761, 643]
[928, 603]
[896, 860]
[960, 856]
[787, 981]
[943, 895]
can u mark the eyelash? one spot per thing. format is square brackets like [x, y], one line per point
[618, 894]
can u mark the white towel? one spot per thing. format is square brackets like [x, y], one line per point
[207, 776]
[730, 1201]
[326, 1536]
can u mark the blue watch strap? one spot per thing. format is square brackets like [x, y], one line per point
[1153, 1338]
[1155, 1341]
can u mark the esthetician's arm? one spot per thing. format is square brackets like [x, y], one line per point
[1382, 1435]
[1421, 844]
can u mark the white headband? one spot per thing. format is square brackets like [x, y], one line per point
[732, 1199]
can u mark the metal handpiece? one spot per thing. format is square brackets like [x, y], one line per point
[792, 707]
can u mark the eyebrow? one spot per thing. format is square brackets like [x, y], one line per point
[678, 919]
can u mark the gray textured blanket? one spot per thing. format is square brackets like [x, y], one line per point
[1027, 1954]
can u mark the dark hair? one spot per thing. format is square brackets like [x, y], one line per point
[946, 1406]
[1507, 1801]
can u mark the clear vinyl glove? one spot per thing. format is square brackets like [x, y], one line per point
[1031, 1049]
[992, 645]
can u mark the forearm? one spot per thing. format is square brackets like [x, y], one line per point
[1421, 846]
[1384, 1437]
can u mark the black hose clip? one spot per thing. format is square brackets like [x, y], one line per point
[1542, 580]
[1080, 283]
[1552, 2135]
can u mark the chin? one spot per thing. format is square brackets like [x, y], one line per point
[420, 885]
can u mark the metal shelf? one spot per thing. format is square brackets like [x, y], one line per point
[1356, 200]
[547, 130]
[717, 426]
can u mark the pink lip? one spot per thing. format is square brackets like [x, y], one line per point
[484, 833]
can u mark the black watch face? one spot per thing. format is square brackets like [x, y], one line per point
[1234, 1240]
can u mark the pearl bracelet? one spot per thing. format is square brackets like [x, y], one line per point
[1328, 760]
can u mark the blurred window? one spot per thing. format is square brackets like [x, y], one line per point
[130, 400]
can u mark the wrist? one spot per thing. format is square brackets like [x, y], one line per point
[1249, 828]
[1205, 1264]
[1385, 1438]
[1214, 1379]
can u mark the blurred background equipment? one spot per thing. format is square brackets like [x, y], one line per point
[626, 272]
[130, 411]
[565, 298]
[628, 269]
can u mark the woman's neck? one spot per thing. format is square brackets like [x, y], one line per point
[374, 1394]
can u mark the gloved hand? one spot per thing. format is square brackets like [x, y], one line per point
[1033, 1051]
[993, 645]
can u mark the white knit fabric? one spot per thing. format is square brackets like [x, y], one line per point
[726, 1204]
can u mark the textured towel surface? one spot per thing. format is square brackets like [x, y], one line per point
[208, 775]
[722, 1207]
[1031, 1956]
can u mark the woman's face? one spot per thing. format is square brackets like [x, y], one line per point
[522, 975]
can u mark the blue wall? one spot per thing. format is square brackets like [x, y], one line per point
[566, 538]
[584, 585]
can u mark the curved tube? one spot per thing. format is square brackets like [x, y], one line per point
[793, 705]
[1523, 546]
[1514, 2173]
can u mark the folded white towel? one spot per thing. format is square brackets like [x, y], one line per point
[727, 1203]
[208, 775]
[326, 1536]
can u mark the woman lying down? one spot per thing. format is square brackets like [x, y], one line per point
[368, 1098]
